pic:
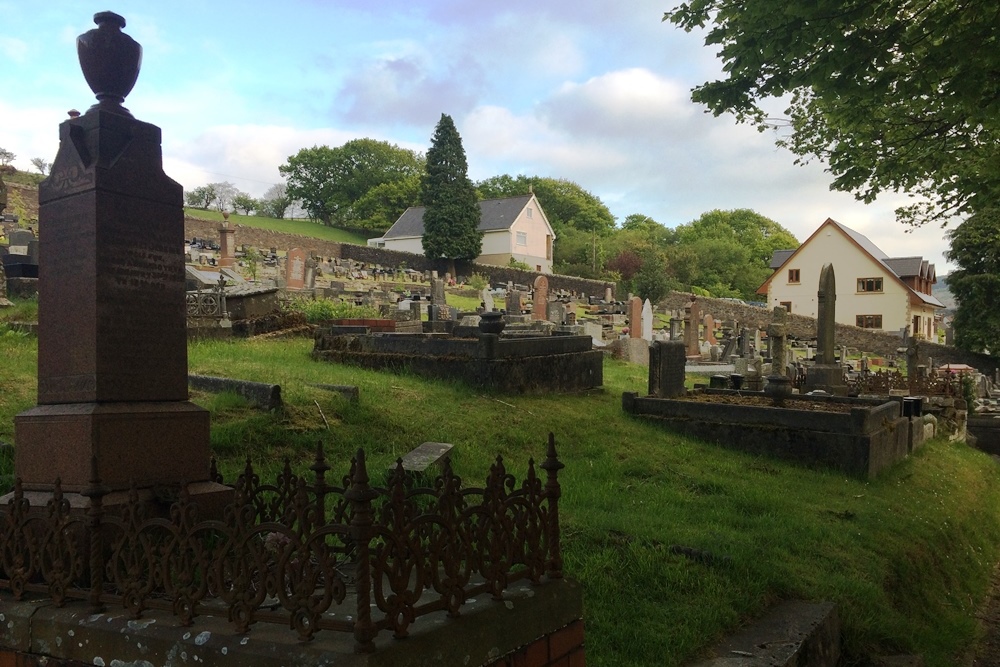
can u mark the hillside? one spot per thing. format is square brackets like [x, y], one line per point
[943, 293]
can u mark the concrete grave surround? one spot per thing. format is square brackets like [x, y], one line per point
[540, 299]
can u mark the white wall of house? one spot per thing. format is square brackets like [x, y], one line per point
[412, 244]
[531, 239]
[850, 264]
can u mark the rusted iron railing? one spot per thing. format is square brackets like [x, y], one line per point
[352, 558]
[881, 382]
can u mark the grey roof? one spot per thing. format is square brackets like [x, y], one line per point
[496, 214]
[904, 267]
[864, 242]
[779, 257]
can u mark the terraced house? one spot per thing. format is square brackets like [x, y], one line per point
[874, 291]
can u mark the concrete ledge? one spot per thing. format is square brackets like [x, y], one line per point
[258, 394]
[792, 634]
[486, 631]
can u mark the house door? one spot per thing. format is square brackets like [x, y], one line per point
[916, 326]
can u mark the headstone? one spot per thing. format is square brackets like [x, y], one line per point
[540, 299]
[595, 331]
[112, 335]
[571, 317]
[227, 247]
[426, 455]
[777, 333]
[676, 324]
[826, 375]
[635, 317]
[295, 269]
[437, 291]
[692, 320]
[514, 302]
[488, 304]
[666, 369]
[608, 295]
[556, 312]
[4, 302]
[647, 321]
[709, 323]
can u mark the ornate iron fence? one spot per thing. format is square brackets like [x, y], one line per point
[881, 382]
[351, 558]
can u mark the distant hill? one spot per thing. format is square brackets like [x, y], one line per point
[943, 293]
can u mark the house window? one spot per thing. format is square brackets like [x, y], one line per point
[794, 276]
[869, 321]
[787, 305]
[522, 238]
[869, 284]
[528, 213]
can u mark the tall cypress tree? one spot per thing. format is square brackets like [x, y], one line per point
[451, 220]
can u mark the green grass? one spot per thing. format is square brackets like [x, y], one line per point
[906, 557]
[302, 227]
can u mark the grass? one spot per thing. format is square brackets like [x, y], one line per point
[301, 227]
[906, 557]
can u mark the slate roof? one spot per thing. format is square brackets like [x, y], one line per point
[496, 215]
[779, 257]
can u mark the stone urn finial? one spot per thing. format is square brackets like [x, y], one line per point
[110, 61]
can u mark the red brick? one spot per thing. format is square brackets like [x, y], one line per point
[577, 659]
[536, 654]
[8, 659]
[563, 641]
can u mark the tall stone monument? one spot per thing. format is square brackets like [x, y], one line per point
[826, 374]
[112, 338]
[227, 244]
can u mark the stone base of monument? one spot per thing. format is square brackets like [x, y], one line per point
[826, 377]
[153, 444]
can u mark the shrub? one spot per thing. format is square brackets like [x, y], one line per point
[478, 281]
[323, 310]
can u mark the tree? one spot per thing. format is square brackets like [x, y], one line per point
[329, 181]
[41, 165]
[275, 202]
[6, 157]
[225, 193]
[975, 249]
[451, 220]
[244, 202]
[201, 197]
[382, 205]
[898, 95]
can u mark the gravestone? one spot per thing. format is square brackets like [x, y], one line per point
[540, 299]
[571, 317]
[646, 324]
[635, 317]
[667, 361]
[295, 269]
[112, 336]
[556, 312]
[608, 295]
[514, 301]
[709, 323]
[826, 375]
[4, 302]
[437, 291]
[488, 304]
[227, 244]
[692, 319]
[676, 325]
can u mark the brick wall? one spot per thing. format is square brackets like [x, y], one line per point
[10, 658]
[562, 648]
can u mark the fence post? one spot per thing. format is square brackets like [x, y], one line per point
[95, 492]
[319, 467]
[360, 496]
[552, 466]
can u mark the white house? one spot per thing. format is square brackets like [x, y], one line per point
[512, 227]
[874, 291]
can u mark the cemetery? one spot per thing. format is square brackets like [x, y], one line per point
[212, 478]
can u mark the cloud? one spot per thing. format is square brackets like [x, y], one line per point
[14, 49]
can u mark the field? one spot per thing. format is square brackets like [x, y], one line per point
[907, 557]
[302, 227]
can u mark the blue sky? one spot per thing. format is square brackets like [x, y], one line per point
[593, 91]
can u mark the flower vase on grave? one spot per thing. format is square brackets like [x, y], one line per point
[492, 322]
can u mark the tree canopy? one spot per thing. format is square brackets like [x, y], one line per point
[975, 249]
[451, 219]
[330, 181]
[894, 95]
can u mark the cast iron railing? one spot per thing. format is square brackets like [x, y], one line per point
[881, 382]
[352, 558]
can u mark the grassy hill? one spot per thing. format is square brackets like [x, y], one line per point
[943, 292]
[302, 227]
[907, 557]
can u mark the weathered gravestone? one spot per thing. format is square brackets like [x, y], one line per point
[437, 291]
[514, 301]
[295, 269]
[709, 323]
[646, 321]
[667, 361]
[112, 336]
[488, 304]
[635, 317]
[692, 319]
[227, 243]
[826, 374]
[540, 299]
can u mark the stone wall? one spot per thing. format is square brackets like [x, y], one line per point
[261, 238]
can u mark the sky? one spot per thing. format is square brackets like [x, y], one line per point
[593, 91]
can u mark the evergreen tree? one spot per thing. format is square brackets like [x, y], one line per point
[451, 218]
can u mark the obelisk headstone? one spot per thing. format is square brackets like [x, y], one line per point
[227, 244]
[826, 374]
[778, 384]
[112, 337]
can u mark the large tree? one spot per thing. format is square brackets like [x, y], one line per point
[329, 181]
[894, 95]
[451, 219]
[975, 249]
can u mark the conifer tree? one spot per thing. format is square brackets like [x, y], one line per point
[451, 218]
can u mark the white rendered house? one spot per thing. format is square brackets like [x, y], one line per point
[874, 291]
[512, 227]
